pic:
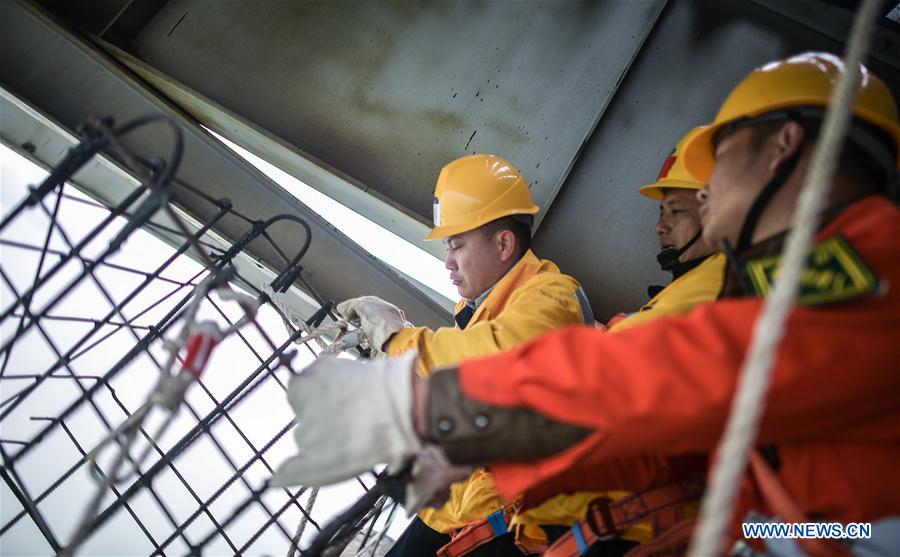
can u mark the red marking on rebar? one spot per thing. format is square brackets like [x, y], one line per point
[199, 348]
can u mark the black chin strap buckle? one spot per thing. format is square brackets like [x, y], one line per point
[669, 257]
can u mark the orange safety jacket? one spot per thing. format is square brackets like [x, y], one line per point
[699, 285]
[832, 410]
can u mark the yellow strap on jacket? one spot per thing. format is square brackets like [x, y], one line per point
[532, 298]
[699, 285]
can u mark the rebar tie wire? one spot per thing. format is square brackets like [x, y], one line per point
[196, 339]
[97, 135]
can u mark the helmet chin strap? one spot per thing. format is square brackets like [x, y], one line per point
[765, 196]
[752, 219]
[735, 266]
[669, 257]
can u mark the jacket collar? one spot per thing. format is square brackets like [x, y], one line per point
[736, 284]
[496, 297]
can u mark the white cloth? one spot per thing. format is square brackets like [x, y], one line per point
[377, 319]
[351, 415]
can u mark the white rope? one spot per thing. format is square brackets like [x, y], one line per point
[295, 542]
[747, 407]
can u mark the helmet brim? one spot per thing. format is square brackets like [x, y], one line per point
[655, 190]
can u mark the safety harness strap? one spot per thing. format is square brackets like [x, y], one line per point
[476, 534]
[607, 519]
[783, 505]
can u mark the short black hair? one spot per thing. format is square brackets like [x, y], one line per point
[519, 225]
[855, 162]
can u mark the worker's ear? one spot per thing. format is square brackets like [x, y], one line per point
[505, 242]
[785, 143]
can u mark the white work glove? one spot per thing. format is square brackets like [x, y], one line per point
[351, 415]
[377, 319]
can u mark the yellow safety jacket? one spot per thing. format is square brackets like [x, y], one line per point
[699, 285]
[532, 298]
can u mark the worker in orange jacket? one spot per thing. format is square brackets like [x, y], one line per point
[698, 271]
[832, 421]
[579, 408]
[483, 213]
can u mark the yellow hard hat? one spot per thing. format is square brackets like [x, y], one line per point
[804, 80]
[476, 189]
[673, 174]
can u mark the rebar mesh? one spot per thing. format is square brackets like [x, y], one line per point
[95, 314]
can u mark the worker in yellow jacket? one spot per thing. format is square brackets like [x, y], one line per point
[698, 272]
[507, 316]
[697, 269]
[483, 213]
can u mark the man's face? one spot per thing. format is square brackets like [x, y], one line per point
[473, 261]
[737, 178]
[679, 221]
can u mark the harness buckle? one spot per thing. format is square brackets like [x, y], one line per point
[601, 508]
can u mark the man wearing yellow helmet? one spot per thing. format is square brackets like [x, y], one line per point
[697, 270]
[621, 408]
[483, 213]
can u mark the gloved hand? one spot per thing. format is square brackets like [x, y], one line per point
[377, 319]
[432, 475]
[351, 415]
